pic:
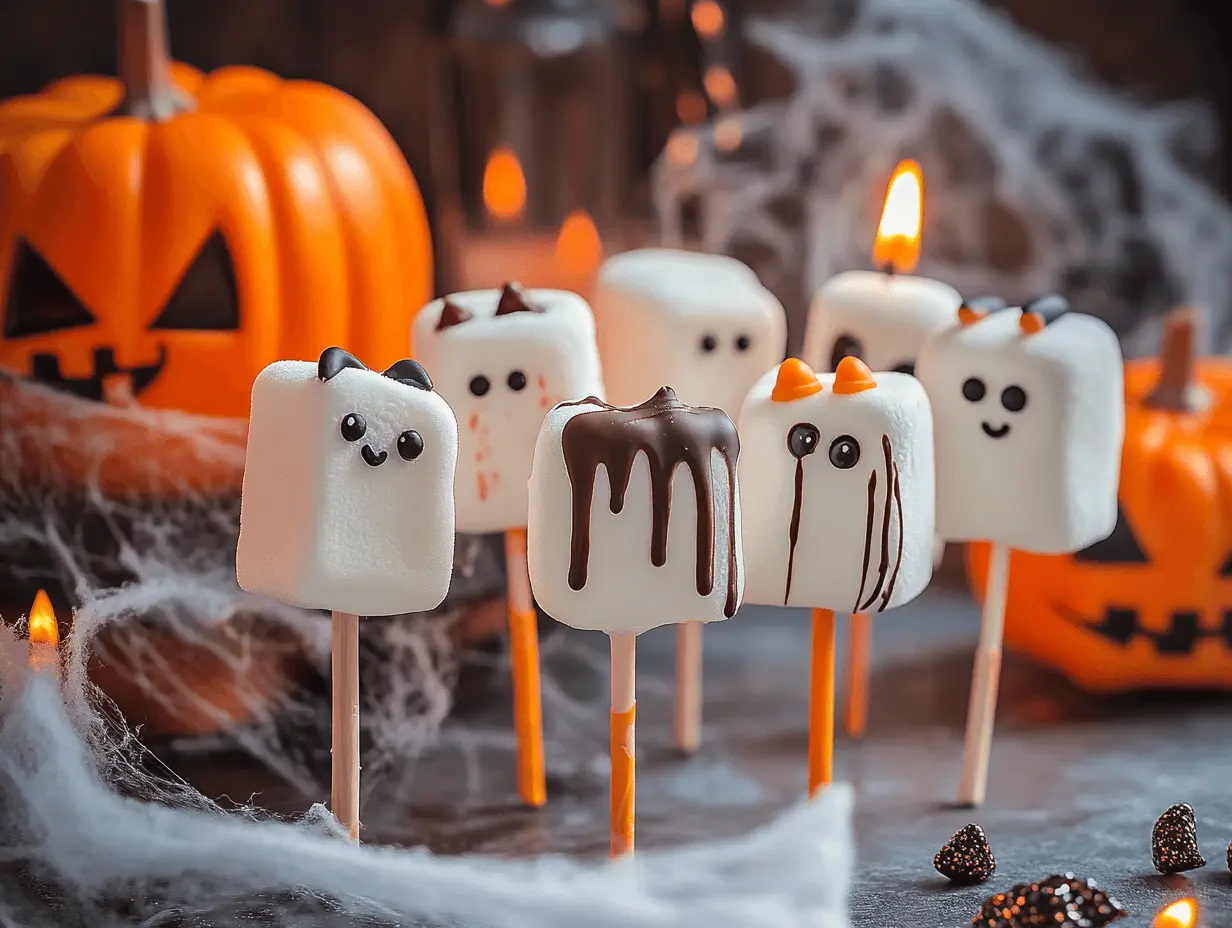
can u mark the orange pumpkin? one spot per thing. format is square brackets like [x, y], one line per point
[166, 235]
[1151, 606]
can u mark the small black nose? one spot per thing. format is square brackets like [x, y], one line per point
[373, 459]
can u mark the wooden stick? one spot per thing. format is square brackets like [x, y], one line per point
[344, 794]
[624, 708]
[821, 703]
[859, 646]
[688, 720]
[524, 655]
[985, 680]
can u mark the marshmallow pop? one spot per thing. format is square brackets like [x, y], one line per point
[505, 357]
[1029, 419]
[348, 506]
[634, 523]
[704, 323]
[837, 502]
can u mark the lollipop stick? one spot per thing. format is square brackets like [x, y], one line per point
[688, 723]
[859, 642]
[344, 794]
[524, 654]
[982, 709]
[821, 703]
[624, 703]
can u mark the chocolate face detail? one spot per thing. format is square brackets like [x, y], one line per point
[1013, 399]
[802, 441]
[669, 433]
[353, 427]
[452, 314]
[892, 489]
[513, 300]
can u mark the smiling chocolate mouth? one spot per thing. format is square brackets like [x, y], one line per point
[1121, 626]
[999, 432]
[45, 369]
[373, 458]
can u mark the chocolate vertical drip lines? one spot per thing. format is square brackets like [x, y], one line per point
[898, 507]
[868, 535]
[793, 531]
[669, 433]
[885, 526]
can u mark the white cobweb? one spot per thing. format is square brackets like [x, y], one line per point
[1037, 177]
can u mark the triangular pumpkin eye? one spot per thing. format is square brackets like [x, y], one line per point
[845, 346]
[1121, 547]
[207, 297]
[38, 300]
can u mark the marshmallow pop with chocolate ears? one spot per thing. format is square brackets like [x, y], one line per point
[505, 358]
[837, 492]
[1029, 419]
[634, 523]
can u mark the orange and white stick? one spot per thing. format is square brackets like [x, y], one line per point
[344, 788]
[524, 655]
[688, 719]
[821, 703]
[985, 680]
[624, 707]
[859, 647]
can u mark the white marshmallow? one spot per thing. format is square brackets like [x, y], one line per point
[882, 319]
[852, 471]
[1042, 476]
[501, 374]
[333, 515]
[594, 568]
[700, 322]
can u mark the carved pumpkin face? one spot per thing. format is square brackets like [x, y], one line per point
[171, 261]
[1151, 606]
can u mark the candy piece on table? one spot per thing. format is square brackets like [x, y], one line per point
[1029, 419]
[1174, 841]
[967, 857]
[634, 515]
[701, 322]
[348, 487]
[503, 358]
[837, 485]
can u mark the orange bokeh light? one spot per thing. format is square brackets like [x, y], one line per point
[1180, 914]
[708, 19]
[504, 185]
[579, 250]
[898, 235]
[42, 623]
[720, 85]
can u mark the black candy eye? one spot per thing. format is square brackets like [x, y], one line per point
[480, 385]
[802, 440]
[709, 343]
[1014, 399]
[516, 381]
[973, 389]
[353, 426]
[844, 452]
[410, 445]
[743, 342]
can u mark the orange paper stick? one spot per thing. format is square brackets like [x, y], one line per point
[624, 708]
[859, 641]
[524, 655]
[821, 703]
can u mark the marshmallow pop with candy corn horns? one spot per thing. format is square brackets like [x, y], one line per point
[505, 358]
[837, 487]
[634, 523]
[1029, 419]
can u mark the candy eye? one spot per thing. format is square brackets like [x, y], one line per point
[973, 389]
[480, 385]
[516, 381]
[844, 452]
[410, 445]
[802, 440]
[353, 426]
[743, 342]
[709, 343]
[1014, 399]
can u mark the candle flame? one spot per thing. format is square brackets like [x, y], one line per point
[1180, 914]
[42, 622]
[579, 250]
[504, 185]
[898, 236]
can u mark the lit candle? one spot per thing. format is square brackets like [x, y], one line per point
[44, 635]
[1181, 914]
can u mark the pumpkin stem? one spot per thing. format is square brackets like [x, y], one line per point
[145, 63]
[1177, 390]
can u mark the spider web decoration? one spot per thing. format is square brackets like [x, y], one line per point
[1036, 177]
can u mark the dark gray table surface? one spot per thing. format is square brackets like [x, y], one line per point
[1076, 782]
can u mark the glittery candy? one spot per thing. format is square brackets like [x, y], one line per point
[966, 858]
[1174, 841]
[1059, 900]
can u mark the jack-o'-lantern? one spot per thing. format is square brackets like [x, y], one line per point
[1150, 607]
[166, 235]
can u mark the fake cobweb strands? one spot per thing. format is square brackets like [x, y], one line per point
[1037, 178]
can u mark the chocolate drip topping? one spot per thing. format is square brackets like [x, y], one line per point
[513, 300]
[885, 527]
[898, 507]
[793, 532]
[871, 509]
[669, 433]
[452, 314]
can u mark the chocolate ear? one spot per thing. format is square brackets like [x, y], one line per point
[334, 361]
[452, 314]
[513, 300]
[410, 373]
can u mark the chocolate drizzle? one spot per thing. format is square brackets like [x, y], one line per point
[868, 532]
[898, 506]
[885, 528]
[793, 531]
[513, 300]
[452, 314]
[669, 433]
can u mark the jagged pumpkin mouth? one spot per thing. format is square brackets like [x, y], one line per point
[1121, 625]
[107, 379]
